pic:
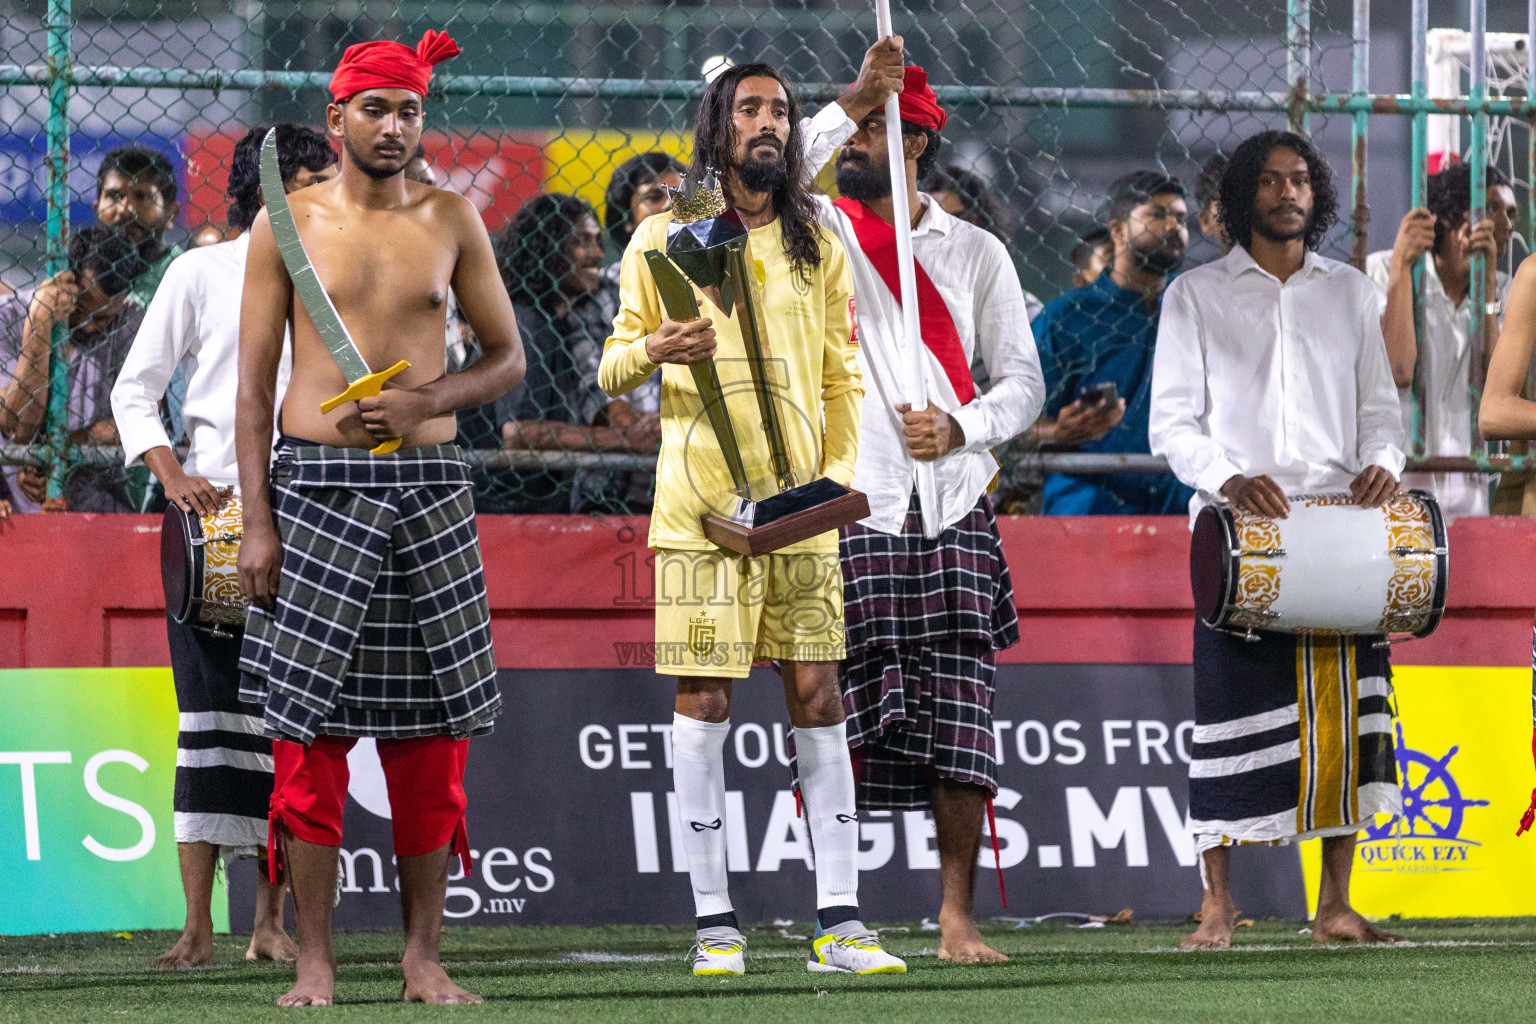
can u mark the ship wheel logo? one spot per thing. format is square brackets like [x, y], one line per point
[1433, 807]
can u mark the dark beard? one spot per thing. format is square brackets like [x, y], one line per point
[362, 163]
[856, 179]
[1261, 228]
[1160, 259]
[762, 175]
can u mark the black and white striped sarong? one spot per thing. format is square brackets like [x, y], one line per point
[1293, 738]
[382, 626]
[223, 762]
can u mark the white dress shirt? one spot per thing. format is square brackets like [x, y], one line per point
[1259, 378]
[1445, 365]
[194, 321]
[972, 271]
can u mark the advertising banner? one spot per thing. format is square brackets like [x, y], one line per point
[87, 769]
[572, 819]
[497, 171]
[24, 170]
[1464, 763]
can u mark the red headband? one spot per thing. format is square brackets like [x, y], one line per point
[385, 64]
[918, 103]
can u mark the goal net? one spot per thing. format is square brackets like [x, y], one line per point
[1449, 53]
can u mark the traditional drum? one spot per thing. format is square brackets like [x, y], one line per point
[1329, 567]
[197, 566]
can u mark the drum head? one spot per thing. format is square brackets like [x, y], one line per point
[1210, 564]
[1442, 567]
[176, 562]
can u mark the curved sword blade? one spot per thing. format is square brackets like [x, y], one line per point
[305, 282]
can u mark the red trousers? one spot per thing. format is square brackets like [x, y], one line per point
[425, 778]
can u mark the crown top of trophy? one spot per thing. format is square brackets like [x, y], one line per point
[703, 233]
[698, 199]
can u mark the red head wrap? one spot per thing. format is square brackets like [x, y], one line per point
[385, 64]
[918, 103]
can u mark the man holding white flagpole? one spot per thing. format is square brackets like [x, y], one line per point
[928, 600]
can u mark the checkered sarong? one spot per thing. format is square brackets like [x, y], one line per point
[903, 589]
[925, 619]
[382, 625]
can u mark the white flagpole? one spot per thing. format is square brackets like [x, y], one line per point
[911, 334]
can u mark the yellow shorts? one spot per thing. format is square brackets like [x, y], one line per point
[718, 612]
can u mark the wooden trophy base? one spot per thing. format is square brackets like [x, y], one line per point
[788, 518]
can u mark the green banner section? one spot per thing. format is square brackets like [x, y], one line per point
[87, 771]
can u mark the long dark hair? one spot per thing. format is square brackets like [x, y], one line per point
[1240, 186]
[532, 248]
[714, 147]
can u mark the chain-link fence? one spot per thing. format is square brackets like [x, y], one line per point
[562, 111]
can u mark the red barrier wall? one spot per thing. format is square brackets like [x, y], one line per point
[82, 590]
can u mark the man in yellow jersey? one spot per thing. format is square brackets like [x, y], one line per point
[716, 612]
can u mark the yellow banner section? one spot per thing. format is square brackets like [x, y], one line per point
[581, 162]
[1464, 764]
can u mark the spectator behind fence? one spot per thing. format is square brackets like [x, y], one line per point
[637, 190]
[1096, 347]
[1091, 256]
[91, 299]
[1444, 364]
[1208, 199]
[964, 194]
[552, 259]
[419, 168]
[136, 193]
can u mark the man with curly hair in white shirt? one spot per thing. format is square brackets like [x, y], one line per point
[1271, 380]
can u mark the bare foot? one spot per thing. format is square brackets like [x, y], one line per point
[427, 982]
[961, 942]
[1348, 926]
[316, 985]
[189, 951]
[271, 944]
[1215, 931]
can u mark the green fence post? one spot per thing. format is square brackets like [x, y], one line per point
[1360, 83]
[56, 427]
[1419, 179]
[1478, 293]
[1530, 158]
[1298, 61]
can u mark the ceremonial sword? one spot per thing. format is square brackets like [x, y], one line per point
[361, 381]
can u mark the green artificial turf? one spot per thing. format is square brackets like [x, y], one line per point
[1453, 971]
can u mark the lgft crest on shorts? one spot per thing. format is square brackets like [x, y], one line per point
[701, 635]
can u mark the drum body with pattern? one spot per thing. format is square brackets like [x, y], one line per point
[198, 555]
[1330, 566]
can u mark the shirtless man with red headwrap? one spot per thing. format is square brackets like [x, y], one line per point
[369, 614]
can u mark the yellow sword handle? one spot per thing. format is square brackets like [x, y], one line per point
[367, 387]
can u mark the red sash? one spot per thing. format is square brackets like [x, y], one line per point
[878, 240]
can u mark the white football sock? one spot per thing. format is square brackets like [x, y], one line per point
[826, 784]
[698, 777]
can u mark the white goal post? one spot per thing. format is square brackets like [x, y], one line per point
[1449, 55]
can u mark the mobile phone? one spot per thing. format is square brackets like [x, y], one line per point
[1099, 393]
